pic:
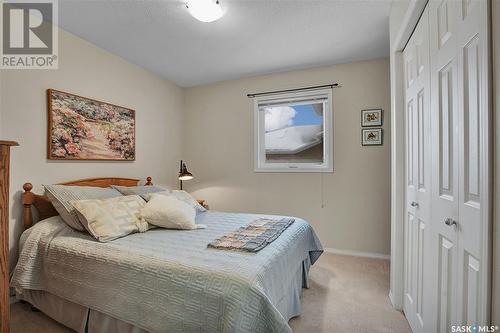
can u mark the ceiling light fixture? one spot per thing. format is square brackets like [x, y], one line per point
[205, 10]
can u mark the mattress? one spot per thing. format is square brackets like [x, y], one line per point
[168, 280]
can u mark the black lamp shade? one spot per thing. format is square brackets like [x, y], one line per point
[184, 174]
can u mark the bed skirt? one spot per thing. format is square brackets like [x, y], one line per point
[85, 320]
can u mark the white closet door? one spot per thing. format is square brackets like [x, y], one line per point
[445, 160]
[447, 139]
[458, 37]
[472, 124]
[418, 177]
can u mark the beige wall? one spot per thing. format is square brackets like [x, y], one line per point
[219, 137]
[89, 71]
[496, 206]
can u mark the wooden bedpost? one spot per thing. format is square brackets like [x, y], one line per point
[149, 181]
[28, 199]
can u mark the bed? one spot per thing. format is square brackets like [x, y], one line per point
[161, 280]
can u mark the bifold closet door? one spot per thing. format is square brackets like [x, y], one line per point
[473, 146]
[418, 178]
[445, 160]
[458, 39]
[447, 140]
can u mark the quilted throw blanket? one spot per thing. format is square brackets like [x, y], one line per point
[254, 236]
[168, 280]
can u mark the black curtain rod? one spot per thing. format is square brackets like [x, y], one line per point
[333, 85]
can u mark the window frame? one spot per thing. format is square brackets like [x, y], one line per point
[260, 164]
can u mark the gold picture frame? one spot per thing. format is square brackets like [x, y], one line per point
[81, 128]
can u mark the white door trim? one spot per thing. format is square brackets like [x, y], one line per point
[487, 168]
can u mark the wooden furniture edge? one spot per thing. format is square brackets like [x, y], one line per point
[46, 209]
[8, 143]
[4, 233]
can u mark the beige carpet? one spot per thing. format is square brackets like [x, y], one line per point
[347, 294]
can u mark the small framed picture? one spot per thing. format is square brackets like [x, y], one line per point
[372, 117]
[371, 136]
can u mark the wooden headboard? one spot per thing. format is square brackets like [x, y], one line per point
[45, 208]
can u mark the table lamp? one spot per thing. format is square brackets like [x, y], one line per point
[184, 174]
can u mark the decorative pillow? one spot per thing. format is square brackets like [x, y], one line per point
[138, 190]
[168, 212]
[61, 195]
[180, 195]
[189, 199]
[108, 219]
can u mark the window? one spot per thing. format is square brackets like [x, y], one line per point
[293, 132]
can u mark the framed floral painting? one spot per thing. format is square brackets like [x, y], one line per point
[81, 128]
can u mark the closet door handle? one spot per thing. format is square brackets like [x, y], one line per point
[414, 204]
[450, 222]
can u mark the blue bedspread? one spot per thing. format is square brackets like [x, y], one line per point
[168, 280]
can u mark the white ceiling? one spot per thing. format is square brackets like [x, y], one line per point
[253, 37]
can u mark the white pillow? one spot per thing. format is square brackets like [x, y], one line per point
[180, 195]
[61, 195]
[189, 199]
[168, 212]
[108, 219]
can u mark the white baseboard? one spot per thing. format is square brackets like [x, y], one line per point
[358, 254]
